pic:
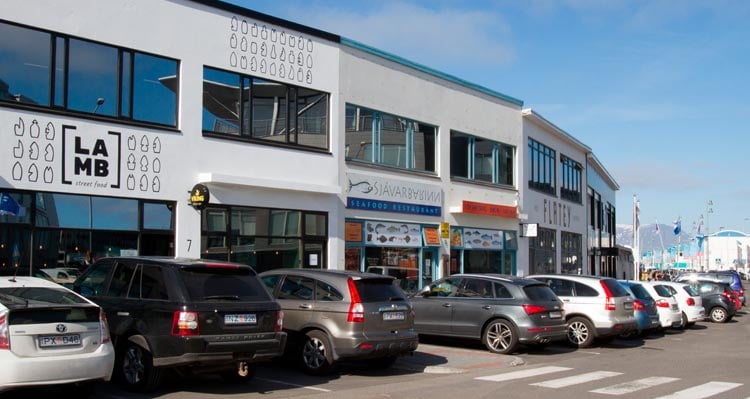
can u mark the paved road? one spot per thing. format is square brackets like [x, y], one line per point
[707, 361]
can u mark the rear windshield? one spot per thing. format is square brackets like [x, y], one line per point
[379, 290]
[38, 296]
[223, 284]
[58, 314]
[691, 290]
[640, 292]
[615, 289]
[540, 292]
[662, 291]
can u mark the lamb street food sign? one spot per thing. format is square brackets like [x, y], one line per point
[381, 194]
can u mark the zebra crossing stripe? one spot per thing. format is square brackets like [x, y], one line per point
[702, 391]
[576, 379]
[523, 373]
[632, 386]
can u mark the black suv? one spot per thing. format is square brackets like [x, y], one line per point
[191, 315]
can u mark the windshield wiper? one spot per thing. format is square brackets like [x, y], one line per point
[227, 297]
[396, 298]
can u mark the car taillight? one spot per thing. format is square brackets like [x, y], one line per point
[279, 321]
[728, 295]
[185, 324]
[690, 301]
[662, 303]
[609, 303]
[103, 327]
[356, 309]
[4, 333]
[533, 309]
[638, 305]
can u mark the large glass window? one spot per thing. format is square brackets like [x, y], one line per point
[572, 184]
[389, 140]
[543, 252]
[63, 230]
[542, 167]
[481, 160]
[264, 111]
[89, 77]
[571, 252]
[265, 238]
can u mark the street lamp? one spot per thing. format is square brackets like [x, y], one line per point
[709, 211]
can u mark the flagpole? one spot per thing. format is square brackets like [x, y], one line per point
[636, 239]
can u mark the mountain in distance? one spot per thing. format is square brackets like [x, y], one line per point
[650, 238]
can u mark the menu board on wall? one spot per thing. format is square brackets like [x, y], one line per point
[387, 234]
[353, 232]
[482, 239]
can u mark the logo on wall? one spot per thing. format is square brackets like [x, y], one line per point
[92, 162]
[199, 197]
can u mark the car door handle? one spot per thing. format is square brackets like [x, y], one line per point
[447, 305]
[565, 300]
[486, 307]
[123, 313]
[305, 306]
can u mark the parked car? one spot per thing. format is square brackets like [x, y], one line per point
[688, 300]
[644, 308]
[503, 311]
[730, 277]
[595, 306]
[50, 335]
[666, 304]
[332, 315]
[190, 315]
[717, 300]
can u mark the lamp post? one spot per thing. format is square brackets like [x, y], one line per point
[709, 211]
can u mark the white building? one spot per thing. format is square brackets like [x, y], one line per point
[202, 129]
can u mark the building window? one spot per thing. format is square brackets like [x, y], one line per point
[543, 252]
[542, 175]
[481, 160]
[62, 72]
[572, 184]
[389, 140]
[571, 252]
[265, 238]
[263, 111]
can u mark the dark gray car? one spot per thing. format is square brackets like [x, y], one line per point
[503, 311]
[334, 314]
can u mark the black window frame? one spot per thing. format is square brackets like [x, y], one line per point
[543, 168]
[503, 170]
[571, 174]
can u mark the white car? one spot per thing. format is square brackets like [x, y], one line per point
[50, 335]
[689, 301]
[670, 315]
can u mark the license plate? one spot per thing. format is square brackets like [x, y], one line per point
[236, 319]
[387, 316]
[555, 315]
[628, 305]
[59, 340]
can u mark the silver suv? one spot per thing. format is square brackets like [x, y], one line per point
[595, 306]
[335, 314]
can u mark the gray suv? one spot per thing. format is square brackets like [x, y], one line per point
[334, 314]
[595, 306]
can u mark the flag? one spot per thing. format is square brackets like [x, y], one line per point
[9, 206]
[677, 226]
[657, 227]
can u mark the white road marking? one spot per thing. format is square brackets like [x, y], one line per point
[632, 386]
[702, 391]
[294, 385]
[523, 373]
[576, 379]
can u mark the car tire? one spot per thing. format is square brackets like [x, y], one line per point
[315, 355]
[500, 336]
[580, 332]
[684, 323]
[718, 314]
[244, 372]
[136, 368]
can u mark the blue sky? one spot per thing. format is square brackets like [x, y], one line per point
[658, 89]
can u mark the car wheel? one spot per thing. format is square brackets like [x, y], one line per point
[718, 315]
[244, 372]
[684, 323]
[137, 369]
[315, 354]
[500, 336]
[580, 332]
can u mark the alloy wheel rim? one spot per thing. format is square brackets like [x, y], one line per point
[499, 336]
[578, 333]
[132, 365]
[313, 353]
